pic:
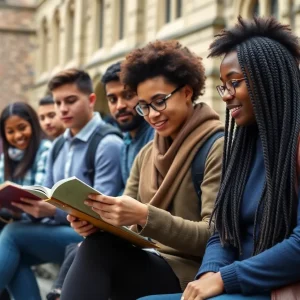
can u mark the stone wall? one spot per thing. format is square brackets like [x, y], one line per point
[18, 38]
[96, 43]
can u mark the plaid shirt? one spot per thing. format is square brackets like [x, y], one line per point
[35, 175]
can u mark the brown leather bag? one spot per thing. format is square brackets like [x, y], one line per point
[292, 291]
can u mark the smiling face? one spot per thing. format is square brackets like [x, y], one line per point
[179, 106]
[121, 103]
[240, 105]
[74, 107]
[18, 132]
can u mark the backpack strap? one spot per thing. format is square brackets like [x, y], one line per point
[102, 131]
[198, 163]
[57, 147]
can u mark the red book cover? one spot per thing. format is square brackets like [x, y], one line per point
[12, 193]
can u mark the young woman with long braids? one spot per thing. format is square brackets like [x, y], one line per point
[256, 246]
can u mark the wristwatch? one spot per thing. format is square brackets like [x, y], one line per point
[54, 294]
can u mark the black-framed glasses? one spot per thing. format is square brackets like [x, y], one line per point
[230, 86]
[143, 109]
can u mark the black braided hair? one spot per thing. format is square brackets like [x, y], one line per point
[268, 54]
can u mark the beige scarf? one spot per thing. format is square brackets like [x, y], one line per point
[171, 161]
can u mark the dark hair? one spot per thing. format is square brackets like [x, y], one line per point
[26, 112]
[268, 54]
[79, 77]
[164, 58]
[112, 73]
[46, 100]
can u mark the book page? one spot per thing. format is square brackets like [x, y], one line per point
[70, 194]
[39, 191]
[72, 191]
[9, 183]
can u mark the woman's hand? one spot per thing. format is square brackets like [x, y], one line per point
[206, 287]
[119, 211]
[36, 208]
[83, 228]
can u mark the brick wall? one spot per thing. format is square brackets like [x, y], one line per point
[17, 36]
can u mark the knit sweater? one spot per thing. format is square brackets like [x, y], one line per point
[247, 274]
[182, 230]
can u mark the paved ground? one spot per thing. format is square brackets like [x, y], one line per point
[45, 277]
[45, 286]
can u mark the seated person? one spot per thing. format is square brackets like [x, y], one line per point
[49, 119]
[25, 152]
[44, 237]
[159, 201]
[137, 133]
[256, 247]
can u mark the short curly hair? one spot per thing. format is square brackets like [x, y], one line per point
[177, 64]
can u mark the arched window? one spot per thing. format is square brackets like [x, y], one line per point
[168, 11]
[256, 8]
[121, 19]
[44, 46]
[101, 22]
[70, 31]
[56, 38]
[173, 10]
[292, 13]
[178, 8]
[274, 8]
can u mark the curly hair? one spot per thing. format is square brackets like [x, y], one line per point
[177, 64]
[268, 54]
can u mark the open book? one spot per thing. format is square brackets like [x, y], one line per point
[69, 195]
[11, 192]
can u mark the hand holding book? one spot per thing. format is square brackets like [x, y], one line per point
[118, 211]
[83, 228]
[69, 195]
[37, 209]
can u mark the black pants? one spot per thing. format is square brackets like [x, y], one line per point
[71, 251]
[107, 267]
[70, 254]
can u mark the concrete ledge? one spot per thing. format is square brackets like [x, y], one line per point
[17, 30]
[16, 7]
[219, 22]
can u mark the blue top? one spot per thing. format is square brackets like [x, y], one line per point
[247, 274]
[35, 175]
[71, 162]
[132, 146]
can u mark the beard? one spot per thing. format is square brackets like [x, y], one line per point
[133, 124]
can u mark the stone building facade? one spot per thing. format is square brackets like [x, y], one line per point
[18, 45]
[92, 34]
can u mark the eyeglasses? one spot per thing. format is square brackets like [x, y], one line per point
[230, 86]
[143, 109]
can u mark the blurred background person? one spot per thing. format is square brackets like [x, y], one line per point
[50, 123]
[24, 153]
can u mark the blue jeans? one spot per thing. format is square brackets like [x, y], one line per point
[24, 244]
[221, 297]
